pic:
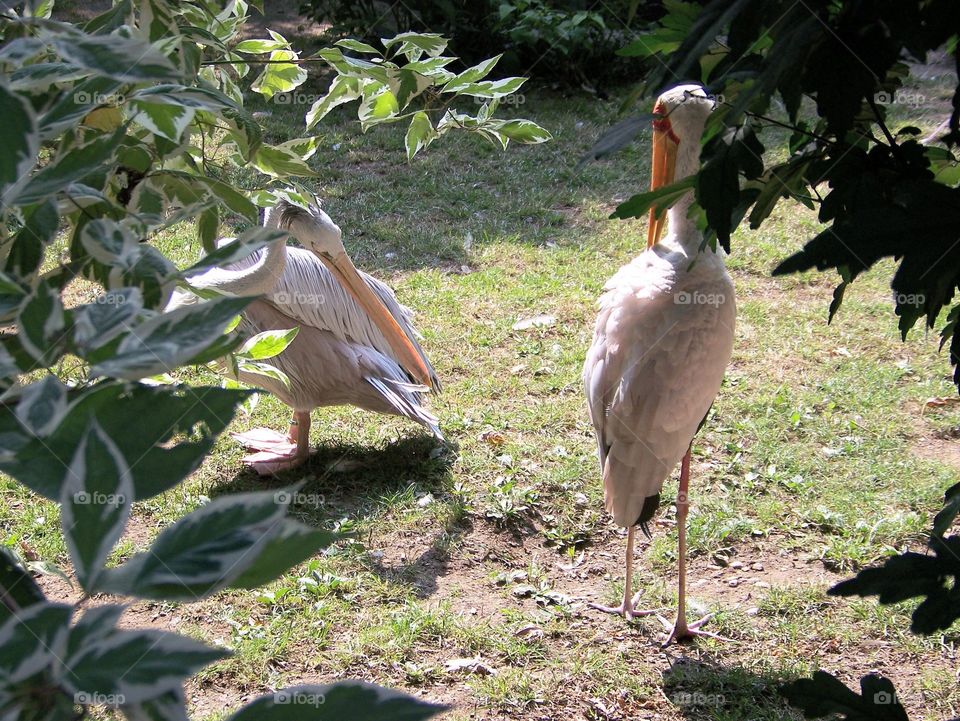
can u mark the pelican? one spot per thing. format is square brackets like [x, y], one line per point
[662, 342]
[356, 344]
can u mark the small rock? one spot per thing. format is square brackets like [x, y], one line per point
[736, 564]
[753, 611]
[390, 256]
[762, 584]
[469, 665]
[757, 566]
[425, 500]
[733, 583]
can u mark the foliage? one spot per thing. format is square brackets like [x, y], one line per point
[569, 40]
[114, 132]
[885, 187]
[386, 90]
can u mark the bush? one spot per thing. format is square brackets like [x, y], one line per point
[568, 40]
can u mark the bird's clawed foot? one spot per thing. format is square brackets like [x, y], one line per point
[627, 609]
[274, 451]
[682, 632]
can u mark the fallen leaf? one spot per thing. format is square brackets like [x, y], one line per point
[538, 321]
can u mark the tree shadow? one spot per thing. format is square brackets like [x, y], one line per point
[353, 482]
[702, 689]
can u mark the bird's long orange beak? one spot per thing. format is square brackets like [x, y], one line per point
[665, 144]
[407, 356]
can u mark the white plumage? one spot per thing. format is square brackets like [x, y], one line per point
[663, 338]
[356, 345]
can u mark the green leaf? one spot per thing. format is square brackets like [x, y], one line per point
[660, 199]
[205, 550]
[824, 694]
[472, 74]
[135, 666]
[18, 585]
[342, 90]
[96, 324]
[377, 107]
[208, 225]
[128, 59]
[267, 344]
[32, 640]
[18, 133]
[278, 76]
[42, 324]
[281, 162]
[176, 427]
[523, 131]
[75, 165]
[95, 505]
[29, 243]
[354, 700]
[357, 46]
[292, 544]
[42, 406]
[419, 135]
[169, 340]
[414, 45]
[260, 46]
[163, 119]
[168, 706]
[492, 88]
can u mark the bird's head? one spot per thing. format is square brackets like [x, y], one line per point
[317, 232]
[680, 116]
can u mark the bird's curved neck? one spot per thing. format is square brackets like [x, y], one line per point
[682, 231]
[258, 278]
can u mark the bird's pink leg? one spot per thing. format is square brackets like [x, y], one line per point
[682, 631]
[627, 607]
[275, 452]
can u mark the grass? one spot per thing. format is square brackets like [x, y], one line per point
[819, 458]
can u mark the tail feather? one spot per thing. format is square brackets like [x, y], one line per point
[404, 398]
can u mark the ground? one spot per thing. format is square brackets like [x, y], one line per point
[822, 455]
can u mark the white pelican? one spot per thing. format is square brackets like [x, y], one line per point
[356, 344]
[662, 342]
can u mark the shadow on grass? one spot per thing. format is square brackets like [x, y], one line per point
[358, 483]
[704, 690]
